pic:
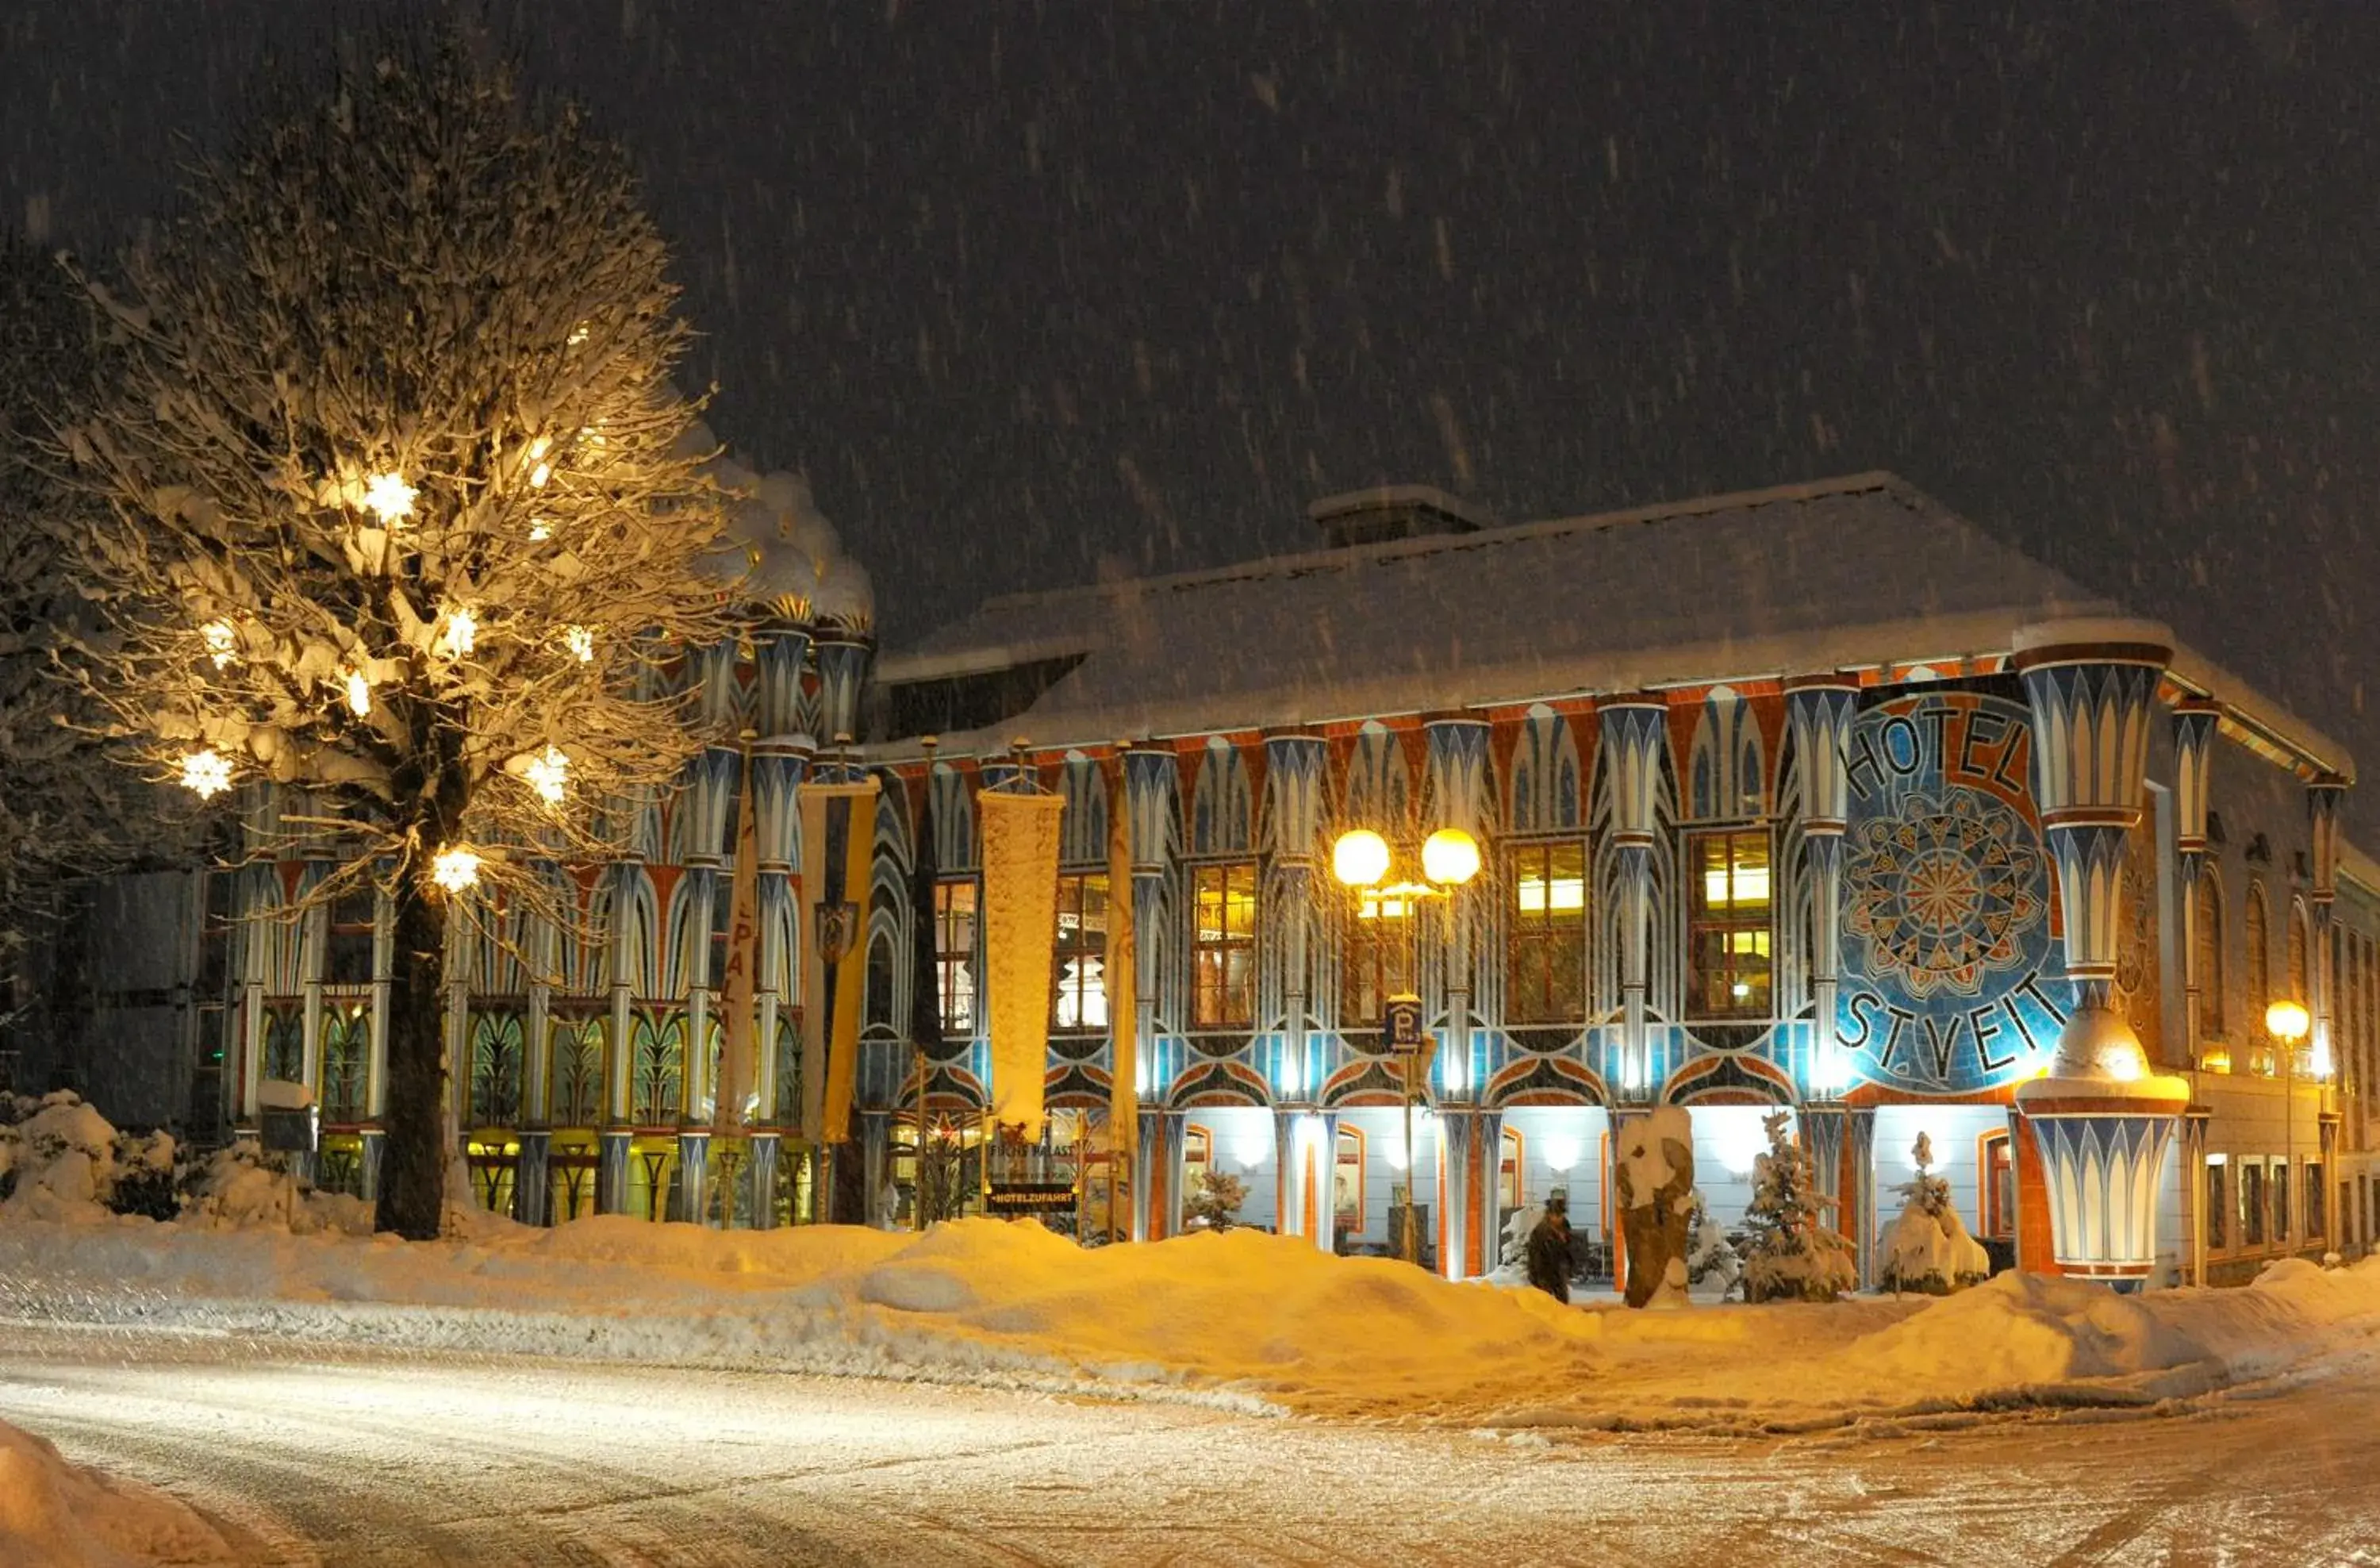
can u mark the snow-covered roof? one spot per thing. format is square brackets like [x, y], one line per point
[1835, 574]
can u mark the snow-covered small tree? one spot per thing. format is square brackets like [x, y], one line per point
[1214, 1203]
[1711, 1259]
[403, 511]
[1794, 1255]
[1927, 1247]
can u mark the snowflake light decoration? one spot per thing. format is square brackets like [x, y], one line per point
[206, 773]
[549, 775]
[389, 498]
[455, 870]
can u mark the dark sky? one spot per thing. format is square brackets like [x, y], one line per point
[1034, 292]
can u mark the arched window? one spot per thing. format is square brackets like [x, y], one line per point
[2210, 968]
[2260, 955]
[2297, 958]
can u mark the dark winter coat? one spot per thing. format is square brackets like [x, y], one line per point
[1549, 1257]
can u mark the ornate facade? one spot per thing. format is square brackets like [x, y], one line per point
[1778, 811]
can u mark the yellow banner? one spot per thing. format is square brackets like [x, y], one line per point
[838, 847]
[738, 987]
[1020, 933]
[1122, 954]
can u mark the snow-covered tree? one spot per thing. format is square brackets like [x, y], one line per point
[1214, 1203]
[64, 804]
[402, 511]
[1711, 1259]
[1927, 1247]
[1794, 1254]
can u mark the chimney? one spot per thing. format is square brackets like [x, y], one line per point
[1392, 512]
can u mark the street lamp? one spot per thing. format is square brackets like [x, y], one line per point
[1361, 861]
[2289, 1022]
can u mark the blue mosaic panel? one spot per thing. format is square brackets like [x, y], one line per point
[1953, 980]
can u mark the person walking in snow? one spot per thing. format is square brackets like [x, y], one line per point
[1548, 1251]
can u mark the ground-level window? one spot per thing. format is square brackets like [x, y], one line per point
[1224, 979]
[2316, 1221]
[1999, 1188]
[2252, 1203]
[1347, 1181]
[954, 903]
[1079, 990]
[1728, 904]
[1508, 1188]
[2218, 1202]
[1545, 951]
[2277, 1187]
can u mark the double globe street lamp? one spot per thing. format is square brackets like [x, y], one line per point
[1362, 861]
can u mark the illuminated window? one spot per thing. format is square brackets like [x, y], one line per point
[2211, 977]
[1728, 925]
[347, 939]
[1079, 997]
[1380, 956]
[1546, 956]
[1223, 953]
[1999, 1189]
[955, 956]
[722, 929]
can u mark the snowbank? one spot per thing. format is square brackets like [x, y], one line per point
[1243, 1319]
[54, 1514]
[60, 1159]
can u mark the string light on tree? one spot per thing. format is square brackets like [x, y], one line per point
[389, 498]
[581, 642]
[221, 640]
[549, 775]
[206, 773]
[540, 530]
[358, 695]
[455, 870]
[462, 633]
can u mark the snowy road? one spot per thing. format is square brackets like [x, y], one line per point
[355, 1457]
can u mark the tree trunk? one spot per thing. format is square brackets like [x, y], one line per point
[413, 1165]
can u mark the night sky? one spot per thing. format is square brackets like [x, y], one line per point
[1035, 293]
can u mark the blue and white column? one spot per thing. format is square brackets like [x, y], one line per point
[2102, 1119]
[1635, 730]
[1820, 709]
[1151, 780]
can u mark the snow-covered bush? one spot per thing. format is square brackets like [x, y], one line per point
[60, 1158]
[1711, 1259]
[1927, 1247]
[1214, 1203]
[243, 1188]
[1512, 1261]
[1795, 1255]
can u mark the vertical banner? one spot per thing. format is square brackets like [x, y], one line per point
[739, 986]
[1020, 934]
[838, 845]
[1120, 972]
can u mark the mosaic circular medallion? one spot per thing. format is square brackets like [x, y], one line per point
[1948, 895]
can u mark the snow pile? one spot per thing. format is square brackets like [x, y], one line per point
[239, 1189]
[54, 1514]
[60, 1159]
[1240, 1319]
[791, 554]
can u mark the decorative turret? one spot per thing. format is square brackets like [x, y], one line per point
[2101, 1118]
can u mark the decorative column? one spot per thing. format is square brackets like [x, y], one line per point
[1152, 778]
[2102, 1119]
[2323, 797]
[1635, 729]
[1856, 1216]
[1304, 1145]
[2193, 751]
[612, 1169]
[1820, 709]
[1822, 1129]
[1293, 766]
[1457, 790]
[875, 1144]
[1457, 1150]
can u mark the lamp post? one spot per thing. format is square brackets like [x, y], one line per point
[2289, 1022]
[1361, 861]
